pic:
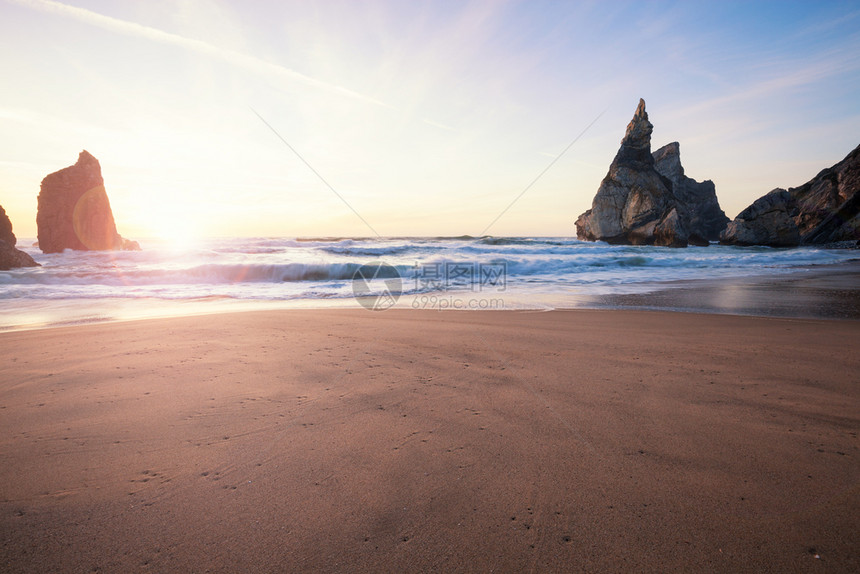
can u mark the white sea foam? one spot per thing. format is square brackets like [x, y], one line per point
[318, 272]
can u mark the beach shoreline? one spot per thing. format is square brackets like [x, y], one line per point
[823, 292]
[349, 440]
[241, 274]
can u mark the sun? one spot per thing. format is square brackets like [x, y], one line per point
[179, 231]
[172, 226]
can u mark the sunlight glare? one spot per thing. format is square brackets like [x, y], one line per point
[176, 229]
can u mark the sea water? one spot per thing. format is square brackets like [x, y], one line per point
[463, 272]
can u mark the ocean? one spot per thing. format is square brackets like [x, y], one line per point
[375, 273]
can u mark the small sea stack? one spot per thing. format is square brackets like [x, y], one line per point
[74, 211]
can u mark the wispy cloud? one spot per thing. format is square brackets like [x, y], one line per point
[810, 73]
[239, 59]
[828, 25]
[439, 125]
[46, 121]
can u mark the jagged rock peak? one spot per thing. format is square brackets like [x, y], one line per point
[86, 157]
[635, 150]
[697, 202]
[668, 161]
[639, 129]
[647, 199]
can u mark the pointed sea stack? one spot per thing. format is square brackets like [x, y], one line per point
[646, 199]
[74, 211]
[10, 257]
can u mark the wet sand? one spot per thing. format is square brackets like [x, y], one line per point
[826, 292]
[410, 441]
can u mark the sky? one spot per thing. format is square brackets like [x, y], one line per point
[411, 118]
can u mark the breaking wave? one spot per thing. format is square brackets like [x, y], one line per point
[323, 268]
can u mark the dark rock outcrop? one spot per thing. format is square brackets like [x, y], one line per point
[825, 210]
[74, 211]
[6, 229]
[768, 221]
[646, 199]
[697, 202]
[10, 257]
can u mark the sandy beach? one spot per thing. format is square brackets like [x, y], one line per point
[410, 441]
[428, 287]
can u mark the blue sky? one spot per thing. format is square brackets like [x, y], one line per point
[427, 118]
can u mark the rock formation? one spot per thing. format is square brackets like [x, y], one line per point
[646, 198]
[824, 210]
[10, 257]
[697, 202]
[74, 211]
[6, 229]
[768, 221]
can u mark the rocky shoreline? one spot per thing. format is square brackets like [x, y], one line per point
[646, 199]
[823, 211]
[73, 213]
[10, 256]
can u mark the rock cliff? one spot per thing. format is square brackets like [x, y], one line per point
[824, 210]
[768, 221]
[646, 199]
[74, 211]
[10, 257]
